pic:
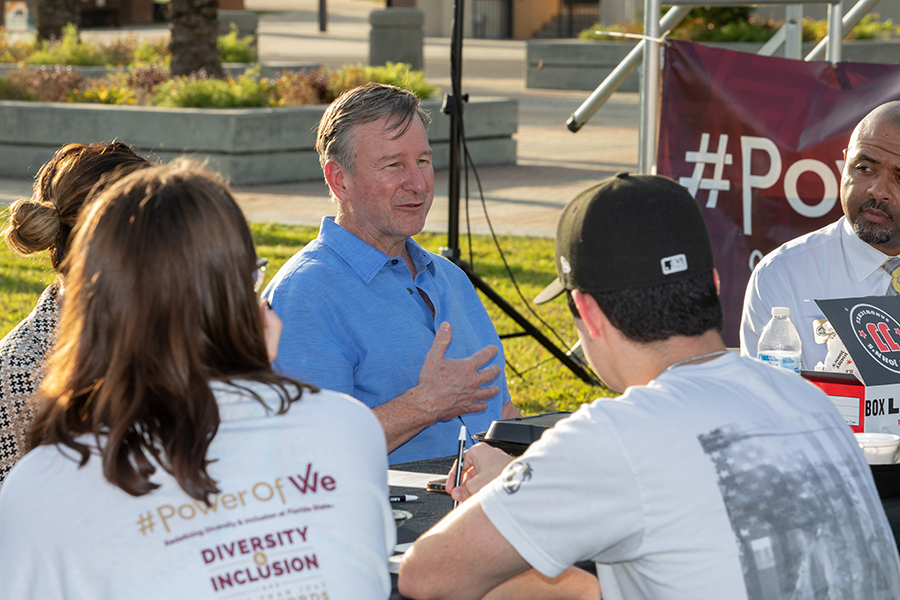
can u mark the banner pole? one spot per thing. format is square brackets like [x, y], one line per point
[617, 77]
[853, 16]
[835, 32]
[649, 89]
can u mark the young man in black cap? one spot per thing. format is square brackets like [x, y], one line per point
[713, 476]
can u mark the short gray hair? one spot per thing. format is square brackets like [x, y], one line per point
[361, 105]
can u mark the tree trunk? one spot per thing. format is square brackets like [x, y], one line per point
[53, 15]
[195, 27]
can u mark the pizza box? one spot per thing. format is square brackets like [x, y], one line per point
[871, 333]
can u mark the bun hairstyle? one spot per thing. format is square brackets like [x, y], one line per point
[61, 188]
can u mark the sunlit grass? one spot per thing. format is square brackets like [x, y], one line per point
[21, 282]
[537, 381]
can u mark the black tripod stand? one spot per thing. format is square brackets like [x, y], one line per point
[453, 107]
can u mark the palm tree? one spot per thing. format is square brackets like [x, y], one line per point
[194, 25]
[53, 15]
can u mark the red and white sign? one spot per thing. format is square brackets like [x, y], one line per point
[758, 141]
[870, 400]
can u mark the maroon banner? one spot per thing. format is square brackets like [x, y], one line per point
[759, 143]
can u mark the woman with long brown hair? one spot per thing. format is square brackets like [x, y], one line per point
[170, 461]
[41, 223]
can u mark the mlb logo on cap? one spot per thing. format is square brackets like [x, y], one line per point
[629, 232]
[674, 264]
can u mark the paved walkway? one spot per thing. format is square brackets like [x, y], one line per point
[553, 163]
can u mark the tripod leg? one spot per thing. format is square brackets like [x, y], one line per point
[530, 329]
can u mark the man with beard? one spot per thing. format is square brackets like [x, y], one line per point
[854, 257]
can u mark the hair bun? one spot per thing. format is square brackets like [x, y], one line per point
[33, 226]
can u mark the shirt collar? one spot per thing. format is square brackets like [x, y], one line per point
[863, 258]
[365, 259]
[422, 259]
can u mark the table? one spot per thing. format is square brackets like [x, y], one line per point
[430, 508]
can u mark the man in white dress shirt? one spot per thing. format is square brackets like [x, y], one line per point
[849, 258]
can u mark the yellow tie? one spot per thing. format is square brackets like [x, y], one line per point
[892, 266]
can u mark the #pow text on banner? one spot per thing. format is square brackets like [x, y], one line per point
[758, 141]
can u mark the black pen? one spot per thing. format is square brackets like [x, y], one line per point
[403, 498]
[459, 459]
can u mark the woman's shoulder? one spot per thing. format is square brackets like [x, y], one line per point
[327, 404]
[337, 405]
[35, 335]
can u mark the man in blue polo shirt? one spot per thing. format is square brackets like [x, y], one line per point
[366, 310]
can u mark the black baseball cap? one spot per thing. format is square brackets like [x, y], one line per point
[629, 232]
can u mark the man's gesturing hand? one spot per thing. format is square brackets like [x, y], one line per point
[453, 387]
[446, 389]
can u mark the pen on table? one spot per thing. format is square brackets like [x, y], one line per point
[459, 459]
[403, 498]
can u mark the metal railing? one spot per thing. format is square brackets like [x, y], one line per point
[789, 35]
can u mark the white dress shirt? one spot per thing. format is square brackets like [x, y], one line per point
[828, 263]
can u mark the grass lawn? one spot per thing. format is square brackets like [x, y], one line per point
[537, 381]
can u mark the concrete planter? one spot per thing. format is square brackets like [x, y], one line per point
[583, 65]
[248, 146]
[235, 69]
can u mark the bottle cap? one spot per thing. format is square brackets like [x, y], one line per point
[781, 311]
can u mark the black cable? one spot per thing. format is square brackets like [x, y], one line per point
[468, 223]
[520, 374]
[512, 277]
[471, 164]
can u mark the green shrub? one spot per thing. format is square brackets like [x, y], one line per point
[248, 90]
[752, 30]
[869, 27]
[47, 84]
[154, 50]
[10, 91]
[345, 78]
[321, 86]
[733, 27]
[234, 49]
[401, 75]
[300, 88]
[69, 50]
[151, 84]
[813, 31]
[122, 50]
[99, 92]
[12, 52]
[143, 80]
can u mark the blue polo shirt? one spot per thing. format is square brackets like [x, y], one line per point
[354, 322]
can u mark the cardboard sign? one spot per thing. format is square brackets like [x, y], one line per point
[871, 334]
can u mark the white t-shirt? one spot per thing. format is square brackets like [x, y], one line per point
[724, 480]
[828, 263]
[303, 513]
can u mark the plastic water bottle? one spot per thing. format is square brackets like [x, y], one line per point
[779, 343]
